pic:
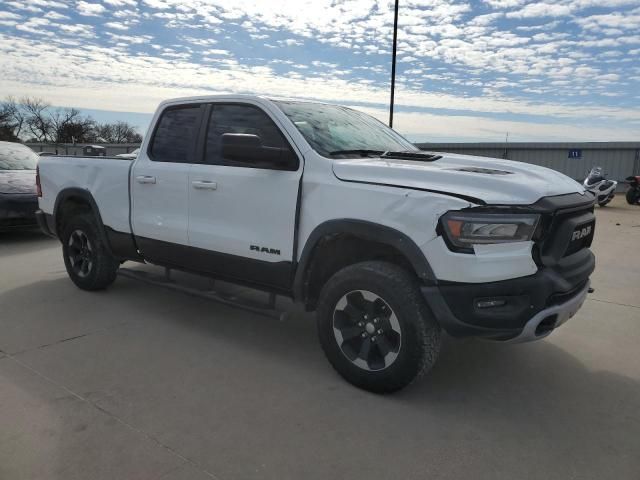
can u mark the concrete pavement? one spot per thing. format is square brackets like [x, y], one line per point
[143, 383]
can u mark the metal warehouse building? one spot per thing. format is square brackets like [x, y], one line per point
[617, 159]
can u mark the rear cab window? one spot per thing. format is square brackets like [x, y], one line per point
[175, 136]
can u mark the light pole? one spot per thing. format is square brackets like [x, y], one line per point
[393, 63]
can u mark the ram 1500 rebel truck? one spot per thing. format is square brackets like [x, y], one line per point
[389, 244]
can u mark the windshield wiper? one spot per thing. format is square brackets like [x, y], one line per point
[361, 152]
[412, 155]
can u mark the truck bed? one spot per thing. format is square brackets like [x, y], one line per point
[107, 178]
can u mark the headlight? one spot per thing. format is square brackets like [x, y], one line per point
[465, 229]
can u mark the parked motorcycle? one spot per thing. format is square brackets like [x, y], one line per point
[602, 188]
[633, 194]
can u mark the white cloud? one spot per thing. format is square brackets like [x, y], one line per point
[52, 15]
[201, 42]
[533, 10]
[290, 42]
[617, 21]
[462, 58]
[501, 4]
[24, 6]
[90, 9]
[116, 25]
[581, 4]
[9, 16]
[154, 74]
[159, 4]
[130, 39]
[46, 3]
[486, 19]
[611, 77]
[215, 51]
[79, 30]
[121, 3]
[36, 26]
[129, 14]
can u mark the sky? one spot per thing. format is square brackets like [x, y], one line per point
[562, 70]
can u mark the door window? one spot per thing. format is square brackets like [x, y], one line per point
[175, 137]
[256, 140]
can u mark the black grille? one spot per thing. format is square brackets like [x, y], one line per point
[581, 238]
[558, 238]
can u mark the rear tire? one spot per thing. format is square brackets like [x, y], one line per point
[375, 328]
[632, 196]
[89, 263]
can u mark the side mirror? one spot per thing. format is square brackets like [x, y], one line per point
[248, 149]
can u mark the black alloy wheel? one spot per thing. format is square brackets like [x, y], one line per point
[375, 327]
[81, 253]
[89, 262]
[367, 330]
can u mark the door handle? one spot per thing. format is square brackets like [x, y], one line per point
[146, 179]
[204, 185]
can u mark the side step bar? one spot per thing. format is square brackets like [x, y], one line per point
[267, 309]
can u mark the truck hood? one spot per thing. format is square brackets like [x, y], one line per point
[18, 181]
[491, 180]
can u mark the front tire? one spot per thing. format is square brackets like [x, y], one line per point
[375, 328]
[89, 263]
[632, 196]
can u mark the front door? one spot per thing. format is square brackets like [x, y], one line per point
[242, 210]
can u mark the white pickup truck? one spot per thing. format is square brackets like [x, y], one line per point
[324, 204]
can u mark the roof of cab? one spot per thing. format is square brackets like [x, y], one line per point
[236, 96]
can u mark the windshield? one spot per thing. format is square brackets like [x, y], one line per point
[332, 128]
[14, 156]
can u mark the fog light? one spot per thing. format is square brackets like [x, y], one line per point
[490, 303]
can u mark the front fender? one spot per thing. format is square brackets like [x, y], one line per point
[365, 230]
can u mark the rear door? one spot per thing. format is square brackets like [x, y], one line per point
[242, 211]
[159, 185]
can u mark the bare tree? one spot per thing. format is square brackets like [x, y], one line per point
[11, 119]
[33, 118]
[70, 126]
[104, 132]
[37, 119]
[118, 132]
[6, 127]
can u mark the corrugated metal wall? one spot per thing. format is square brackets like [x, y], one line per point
[618, 159]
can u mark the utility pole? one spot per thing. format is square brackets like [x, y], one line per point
[505, 155]
[393, 63]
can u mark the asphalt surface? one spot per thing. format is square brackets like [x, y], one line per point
[143, 383]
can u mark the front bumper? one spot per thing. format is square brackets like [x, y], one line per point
[17, 210]
[528, 308]
[543, 323]
[524, 304]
